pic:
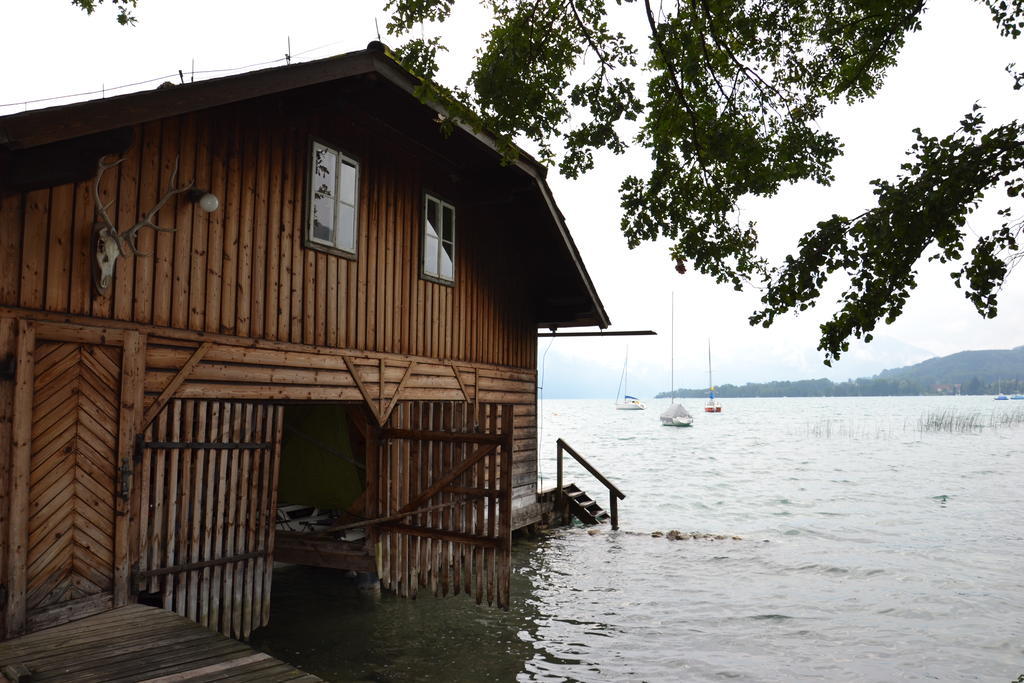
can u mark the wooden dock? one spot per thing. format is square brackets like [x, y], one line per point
[138, 643]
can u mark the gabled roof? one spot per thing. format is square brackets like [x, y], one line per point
[57, 124]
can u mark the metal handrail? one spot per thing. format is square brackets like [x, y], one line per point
[614, 494]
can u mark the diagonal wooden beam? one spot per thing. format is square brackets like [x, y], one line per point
[175, 384]
[398, 391]
[476, 398]
[480, 454]
[370, 402]
[458, 378]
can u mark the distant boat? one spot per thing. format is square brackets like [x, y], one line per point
[1017, 397]
[676, 415]
[1001, 396]
[628, 402]
[711, 405]
[631, 403]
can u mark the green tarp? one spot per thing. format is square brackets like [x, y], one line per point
[316, 458]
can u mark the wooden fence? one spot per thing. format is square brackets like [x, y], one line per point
[203, 511]
[451, 469]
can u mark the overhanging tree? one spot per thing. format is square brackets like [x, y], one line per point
[734, 98]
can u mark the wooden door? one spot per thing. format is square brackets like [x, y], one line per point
[444, 484]
[203, 512]
[72, 481]
[75, 406]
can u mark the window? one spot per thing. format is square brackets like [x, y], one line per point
[334, 184]
[439, 240]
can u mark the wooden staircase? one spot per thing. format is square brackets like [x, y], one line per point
[572, 499]
[582, 506]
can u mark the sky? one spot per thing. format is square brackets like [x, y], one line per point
[957, 60]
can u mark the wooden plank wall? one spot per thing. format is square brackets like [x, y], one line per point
[204, 529]
[243, 270]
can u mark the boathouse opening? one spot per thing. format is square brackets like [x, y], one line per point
[322, 488]
[323, 463]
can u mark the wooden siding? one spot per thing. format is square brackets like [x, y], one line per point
[244, 270]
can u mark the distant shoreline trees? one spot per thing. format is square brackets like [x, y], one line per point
[873, 386]
[973, 373]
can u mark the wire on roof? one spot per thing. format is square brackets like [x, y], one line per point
[104, 90]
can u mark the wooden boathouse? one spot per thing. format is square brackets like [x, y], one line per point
[227, 301]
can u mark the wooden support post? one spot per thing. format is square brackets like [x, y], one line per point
[505, 512]
[21, 464]
[380, 391]
[371, 447]
[133, 375]
[8, 351]
[615, 510]
[559, 493]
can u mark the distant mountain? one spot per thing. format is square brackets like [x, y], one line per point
[967, 372]
[998, 366]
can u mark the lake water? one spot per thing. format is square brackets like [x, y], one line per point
[868, 550]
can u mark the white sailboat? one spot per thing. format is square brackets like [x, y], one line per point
[628, 402]
[676, 415]
[711, 405]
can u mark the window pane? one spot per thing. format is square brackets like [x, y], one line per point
[323, 219]
[322, 187]
[430, 255]
[448, 224]
[347, 227]
[325, 163]
[347, 192]
[447, 260]
[431, 226]
[430, 238]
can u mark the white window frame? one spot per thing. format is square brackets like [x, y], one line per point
[311, 239]
[441, 206]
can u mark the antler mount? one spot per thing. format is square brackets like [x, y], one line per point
[111, 243]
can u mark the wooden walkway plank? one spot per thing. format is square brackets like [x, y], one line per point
[139, 643]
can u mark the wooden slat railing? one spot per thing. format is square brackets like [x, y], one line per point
[614, 494]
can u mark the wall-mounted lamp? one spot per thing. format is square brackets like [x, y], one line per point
[207, 201]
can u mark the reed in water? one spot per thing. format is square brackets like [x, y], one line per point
[949, 420]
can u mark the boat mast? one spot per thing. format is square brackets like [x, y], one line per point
[672, 355]
[711, 386]
[622, 379]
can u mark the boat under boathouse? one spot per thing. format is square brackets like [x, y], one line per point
[277, 316]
